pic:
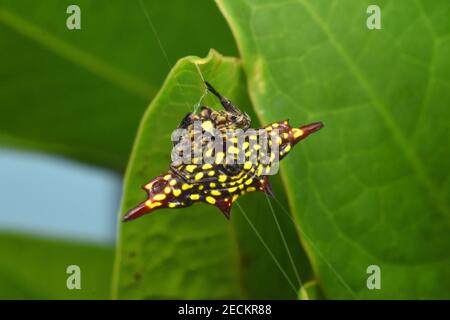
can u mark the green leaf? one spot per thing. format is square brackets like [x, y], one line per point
[195, 252]
[372, 187]
[34, 268]
[81, 93]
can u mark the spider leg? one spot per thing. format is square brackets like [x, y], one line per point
[186, 122]
[224, 101]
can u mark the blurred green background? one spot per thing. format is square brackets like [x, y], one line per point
[371, 188]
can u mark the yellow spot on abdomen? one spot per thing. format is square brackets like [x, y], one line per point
[216, 193]
[210, 200]
[260, 169]
[155, 204]
[152, 204]
[194, 196]
[233, 150]
[206, 166]
[186, 186]
[297, 132]
[159, 197]
[219, 157]
[191, 167]
[198, 176]
[148, 186]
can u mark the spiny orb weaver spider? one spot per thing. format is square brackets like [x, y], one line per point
[219, 182]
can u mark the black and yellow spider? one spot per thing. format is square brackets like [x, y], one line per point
[219, 181]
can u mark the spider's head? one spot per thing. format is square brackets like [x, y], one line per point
[163, 192]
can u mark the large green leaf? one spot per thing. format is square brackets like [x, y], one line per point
[34, 268]
[81, 93]
[195, 252]
[372, 187]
